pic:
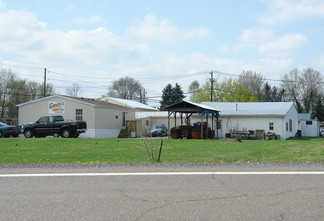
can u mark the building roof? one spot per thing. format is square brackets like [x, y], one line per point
[87, 101]
[252, 108]
[189, 107]
[129, 103]
[304, 116]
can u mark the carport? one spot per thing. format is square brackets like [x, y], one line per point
[187, 109]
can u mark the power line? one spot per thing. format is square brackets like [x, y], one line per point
[19, 66]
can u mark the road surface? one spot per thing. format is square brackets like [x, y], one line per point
[162, 192]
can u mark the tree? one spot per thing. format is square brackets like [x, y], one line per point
[18, 92]
[272, 94]
[6, 79]
[229, 90]
[14, 91]
[171, 95]
[125, 88]
[303, 87]
[74, 90]
[318, 111]
[193, 90]
[177, 93]
[311, 86]
[253, 81]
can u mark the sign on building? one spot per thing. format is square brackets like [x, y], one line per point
[56, 107]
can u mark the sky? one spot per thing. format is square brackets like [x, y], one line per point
[157, 42]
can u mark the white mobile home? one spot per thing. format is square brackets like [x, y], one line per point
[280, 118]
[104, 119]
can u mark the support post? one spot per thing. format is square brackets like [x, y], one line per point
[201, 126]
[44, 82]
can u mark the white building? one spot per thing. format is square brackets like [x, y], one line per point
[308, 127]
[280, 118]
[104, 119]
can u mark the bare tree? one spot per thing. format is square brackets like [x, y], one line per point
[74, 90]
[303, 87]
[253, 81]
[194, 89]
[125, 88]
[6, 79]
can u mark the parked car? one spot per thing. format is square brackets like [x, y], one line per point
[322, 132]
[158, 130]
[8, 130]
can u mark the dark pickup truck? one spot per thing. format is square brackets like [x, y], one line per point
[54, 126]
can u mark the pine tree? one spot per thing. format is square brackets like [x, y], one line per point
[171, 95]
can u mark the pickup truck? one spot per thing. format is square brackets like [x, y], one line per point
[54, 126]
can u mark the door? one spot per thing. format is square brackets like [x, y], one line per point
[124, 120]
[44, 126]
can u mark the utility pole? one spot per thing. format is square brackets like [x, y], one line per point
[211, 86]
[44, 82]
[144, 96]
[140, 95]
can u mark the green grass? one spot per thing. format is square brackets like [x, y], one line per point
[55, 150]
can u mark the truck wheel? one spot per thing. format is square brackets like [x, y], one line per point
[66, 133]
[28, 133]
[0, 134]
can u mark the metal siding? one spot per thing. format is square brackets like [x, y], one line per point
[30, 112]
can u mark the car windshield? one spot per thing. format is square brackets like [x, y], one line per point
[3, 124]
[157, 126]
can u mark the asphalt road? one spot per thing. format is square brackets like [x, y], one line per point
[97, 193]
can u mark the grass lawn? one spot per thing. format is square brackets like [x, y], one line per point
[57, 150]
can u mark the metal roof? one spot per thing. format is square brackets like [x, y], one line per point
[88, 101]
[252, 108]
[129, 103]
[189, 107]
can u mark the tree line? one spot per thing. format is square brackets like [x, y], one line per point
[303, 87]
[14, 90]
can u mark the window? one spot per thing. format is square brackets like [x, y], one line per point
[309, 122]
[271, 126]
[287, 126]
[79, 114]
[290, 125]
[43, 120]
[147, 123]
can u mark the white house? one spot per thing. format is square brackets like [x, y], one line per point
[280, 118]
[104, 119]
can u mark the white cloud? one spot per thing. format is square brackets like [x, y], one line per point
[96, 19]
[284, 44]
[318, 62]
[2, 5]
[286, 11]
[20, 31]
[266, 42]
[153, 30]
[252, 38]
